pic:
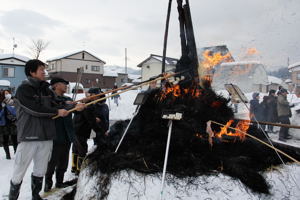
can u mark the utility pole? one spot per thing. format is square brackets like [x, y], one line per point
[126, 81]
[125, 60]
[14, 46]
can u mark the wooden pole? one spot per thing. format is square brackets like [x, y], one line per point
[271, 123]
[131, 88]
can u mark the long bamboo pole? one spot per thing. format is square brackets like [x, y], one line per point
[131, 88]
[255, 138]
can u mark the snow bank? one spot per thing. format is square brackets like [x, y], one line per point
[132, 185]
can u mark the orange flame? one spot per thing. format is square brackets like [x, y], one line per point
[241, 127]
[212, 59]
[252, 51]
[176, 91]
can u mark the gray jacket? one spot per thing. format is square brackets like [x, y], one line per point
[35, 106]
[283, 107]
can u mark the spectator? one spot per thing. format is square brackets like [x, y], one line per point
[284, 113]
[254, 106]
[9, 116]
[263, 111]
[116, 97]
[272, 110]
[36, 129]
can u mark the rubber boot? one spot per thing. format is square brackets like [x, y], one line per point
[14, 191]
[60, 180]
[6, 149]
[79, 163]
[48, 183]
[36, 187]
[15, 148]
[74, 162]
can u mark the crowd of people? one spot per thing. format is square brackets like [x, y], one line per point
[28, 119]
[273, 108]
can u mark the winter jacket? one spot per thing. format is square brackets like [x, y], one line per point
[272, 109]
[35, 106]
[102, 112]
[65, 131]
[85, 121]
[283, 106]
[254, 108]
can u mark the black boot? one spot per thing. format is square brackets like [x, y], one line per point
[15, 148]
[48, 184]
[14, 191]
[6, 149]
[60, 180]
[36, 187]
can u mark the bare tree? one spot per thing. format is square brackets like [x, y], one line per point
[37, 47]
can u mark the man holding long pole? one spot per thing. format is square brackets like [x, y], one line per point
[36, 129]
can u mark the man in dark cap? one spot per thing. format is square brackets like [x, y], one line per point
[64, 136]
[36, 130]
[284, 114]
[86, 121]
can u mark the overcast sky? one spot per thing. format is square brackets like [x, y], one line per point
[106, 27]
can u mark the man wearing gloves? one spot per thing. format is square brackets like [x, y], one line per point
[36, 130]
[64, 136]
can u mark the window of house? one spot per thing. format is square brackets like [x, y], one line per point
[86, 67]
[82, 56]
[8, 72]
[96, 68]
[52, 67]
[298, 76]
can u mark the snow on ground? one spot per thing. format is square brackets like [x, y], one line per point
[132, 185]
[217, 187]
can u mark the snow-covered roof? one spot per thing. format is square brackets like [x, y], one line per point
[134, 76]
[294, 65]
[71, 54]
[16, 56]
[169, 60]
[273, 79]
[5, 83]
[288, 81]
[110, 73]
[241, 63]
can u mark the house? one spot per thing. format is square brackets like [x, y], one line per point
[295, 73]
[250, 76]
[152, 66]
[12, 69]
[274, 83]
[66, 66]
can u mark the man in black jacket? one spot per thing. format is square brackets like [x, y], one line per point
[64, 136]
[86, 121]
[36, 130]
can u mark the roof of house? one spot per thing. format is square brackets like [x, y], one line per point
[169, 60]
[273, 79]
[71, 54]
[15, 56]
[294, 65]
[241, 63]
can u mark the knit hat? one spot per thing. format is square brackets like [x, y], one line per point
[255, 94]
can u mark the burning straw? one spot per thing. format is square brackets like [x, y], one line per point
[190, 154]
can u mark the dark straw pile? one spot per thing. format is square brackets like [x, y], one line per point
[190, 154]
